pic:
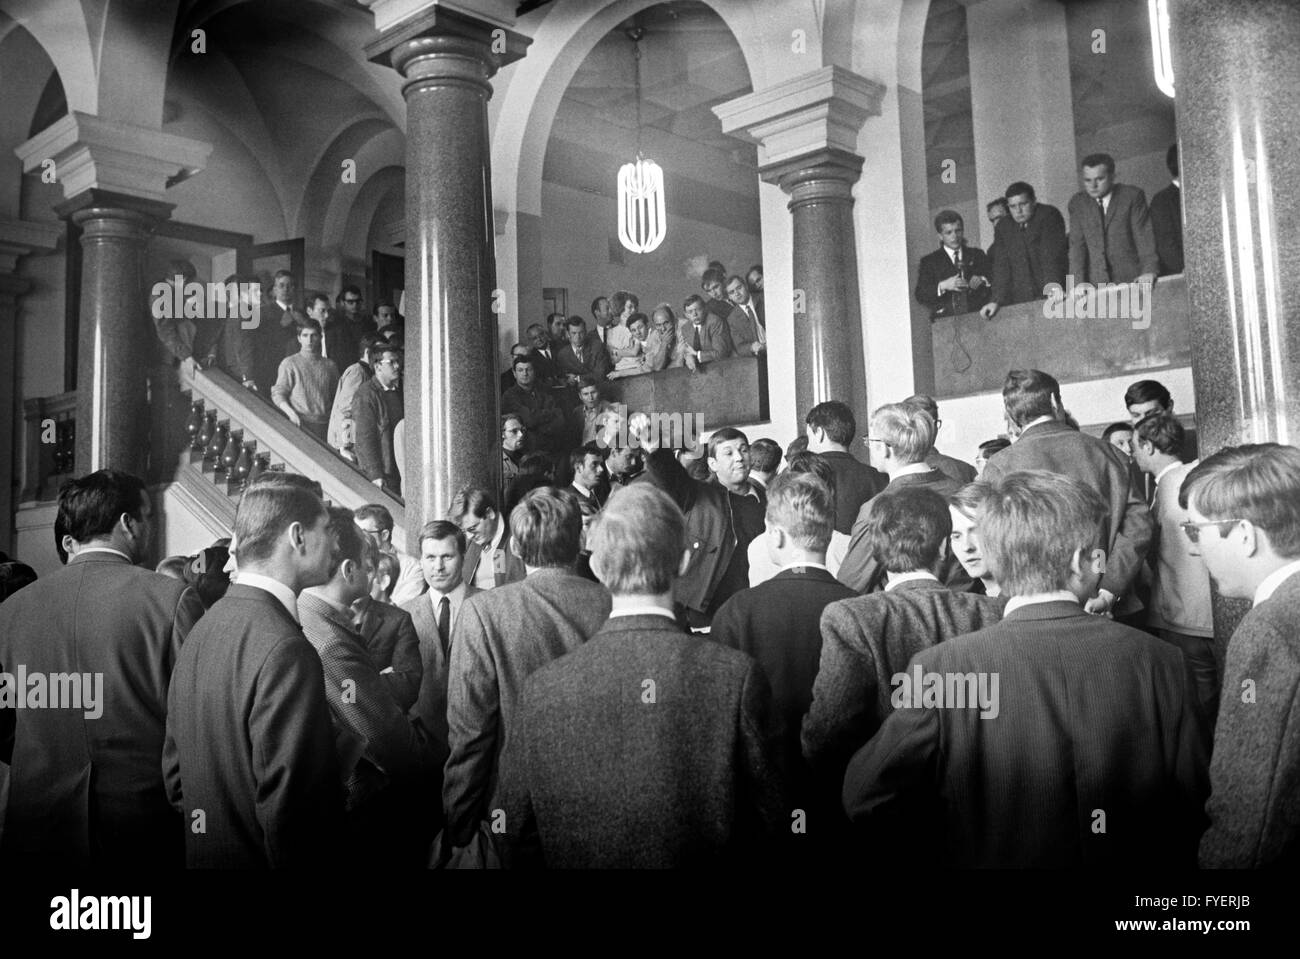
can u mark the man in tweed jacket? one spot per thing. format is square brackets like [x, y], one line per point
[1244, 507]
[867, 639]
[500, 637]
[645, 747]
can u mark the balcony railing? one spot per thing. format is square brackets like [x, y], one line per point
[1108, 336]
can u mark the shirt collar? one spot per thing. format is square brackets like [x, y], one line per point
[581, 488]
[455, 596]
[643, 611]
[498, 535]
[1275, 579]
[911, 469]
[803, 564]
[1161, 474]
[273, 586]
[1033, 423]
[103, 549]
[916, 575]
[1034, 599]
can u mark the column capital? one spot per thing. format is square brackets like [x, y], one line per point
[443, 42]
[815, 113]
[18, 238]
[91, 152]
[104, 212]
[826, 175]
[390, 13]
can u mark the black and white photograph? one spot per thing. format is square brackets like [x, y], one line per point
[662, 452]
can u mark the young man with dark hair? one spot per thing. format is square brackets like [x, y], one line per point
[1032, 250]
[249, 742]
[867, 639]
[1146, 397]
[1111, 240]
[728, 461]
[382, 755]
[702, 337]
[376, 409]
[305, 387]
[542, 419]
[1033, 406]
[593, 779]
[1243, 507]
[1051, 739]
[764, 458]
[1179, 608]
[829, 430]
[747, 319]
[337, 342]
[85, 784]
[955, 278]
[474, 510]
[500, 638]
[579, 357]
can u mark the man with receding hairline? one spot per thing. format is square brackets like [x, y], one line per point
[249, 746]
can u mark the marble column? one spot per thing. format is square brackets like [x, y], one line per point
[807, 131]
[18, 238]
[112, 402]
[827, 343]
[1237, 80]
[447, 60]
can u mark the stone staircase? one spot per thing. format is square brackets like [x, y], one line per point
[233, 435]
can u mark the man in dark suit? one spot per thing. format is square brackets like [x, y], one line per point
[1032, 250]
[778, 622]
[1111, 240]
[587, 463]
[995, 210]
[376, 409]
[500, 638]
[249, 757]
[543, 420]
[85, 780]
[580, 357]
[392, 644]
[543, 356]
[747, 319]
[1052, 739]
[385, 759]
[1167, 219]
[644, 747]
[1244, 509]
[867, 639]
[508, 374]
[710, 538]
[955, 278]
[830, 428]
[901, 437]
[702, 337]
[434, 615]
[474, 510]
[1033, 405]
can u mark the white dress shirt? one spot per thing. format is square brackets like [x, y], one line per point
[1274, 580]
[454, 600]
[273, 586]
[916, 575]
[1033, 599]
[485, 577]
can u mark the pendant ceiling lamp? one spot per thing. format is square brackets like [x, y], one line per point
[642, 217]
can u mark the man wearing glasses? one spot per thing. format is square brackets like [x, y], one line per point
[376, 410]
[348, 306]
[1243, 505]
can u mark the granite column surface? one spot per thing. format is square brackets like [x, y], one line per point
[452, 429]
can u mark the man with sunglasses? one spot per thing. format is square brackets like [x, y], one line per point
[1243, 507]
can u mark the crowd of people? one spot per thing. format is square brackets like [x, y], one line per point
[727, 655]
[1114, 237]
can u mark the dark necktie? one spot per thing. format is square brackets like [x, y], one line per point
[695, 344]
[753, 315]
[444, 625]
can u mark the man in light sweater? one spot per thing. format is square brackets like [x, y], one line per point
[307, 381]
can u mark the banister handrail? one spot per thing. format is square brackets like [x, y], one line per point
[300, 452]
